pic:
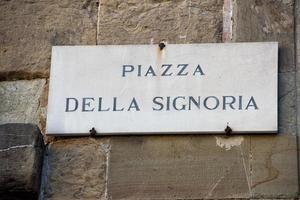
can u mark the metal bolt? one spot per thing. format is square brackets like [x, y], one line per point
[228, 131]
[93, 132]
[162, 45]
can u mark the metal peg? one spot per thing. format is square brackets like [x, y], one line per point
[228, 131]
[161, 45]
[93, 132]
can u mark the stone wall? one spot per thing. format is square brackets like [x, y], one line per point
[152, 167]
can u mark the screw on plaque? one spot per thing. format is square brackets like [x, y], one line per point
[228, 130]
[162, 45]
[93, 132]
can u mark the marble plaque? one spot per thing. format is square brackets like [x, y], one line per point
[183, 88]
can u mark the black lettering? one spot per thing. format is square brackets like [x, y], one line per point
[184, 66]
[86, 104]
[115, 105]
[252, 103]
[68, 104]
[175, 103]
[127, 68]
[139, 70]
[228, 100]
[240, 103]
[168, 67]
[168, 103]
[198, 70]
[100, 105]
[150, 71]
[211, 97]
[156, 102]
[196, 103]
[134, 105]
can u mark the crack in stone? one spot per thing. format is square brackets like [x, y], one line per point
[106, 149]
[86, 4]
[209, 194]
[286, 94]
[250, 162]
[273, 173]
[245, 170]
[16, 147]
[189, 19]
[98, 22]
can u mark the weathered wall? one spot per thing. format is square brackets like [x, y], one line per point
[152, 167]
[274, 162]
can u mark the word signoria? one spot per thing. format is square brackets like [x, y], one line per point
[159, 103]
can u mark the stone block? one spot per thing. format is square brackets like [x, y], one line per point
[75, 169]
[267, 20]
[20, 101]
[287, 113]
[297, 18]
[29, 29]
[273, 162]
[297, 29]
[133, 22]
[179, 167]
[199, 167]
[21, 153]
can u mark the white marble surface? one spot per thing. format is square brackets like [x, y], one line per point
[231, 69]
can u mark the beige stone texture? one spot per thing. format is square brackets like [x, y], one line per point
[274, 166]
[75, 169]
[178, 167]
[267, 20]
[297, 28]
[297, 17]
[273, 160]
[28, 29]
[298, 53]
[197, 167]
[20, 101]
[43, 111]
[150, 21]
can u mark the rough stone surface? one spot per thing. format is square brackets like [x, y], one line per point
[178, 167]
[273, 158]
[75, 169]
[28, 29]
[274, 167]
[297, 17]
[196, 167]
[298, 54]
[43, 108]
[20, 101]
[287, 103]
[21, 152]
[181, 21]
[267, 20]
